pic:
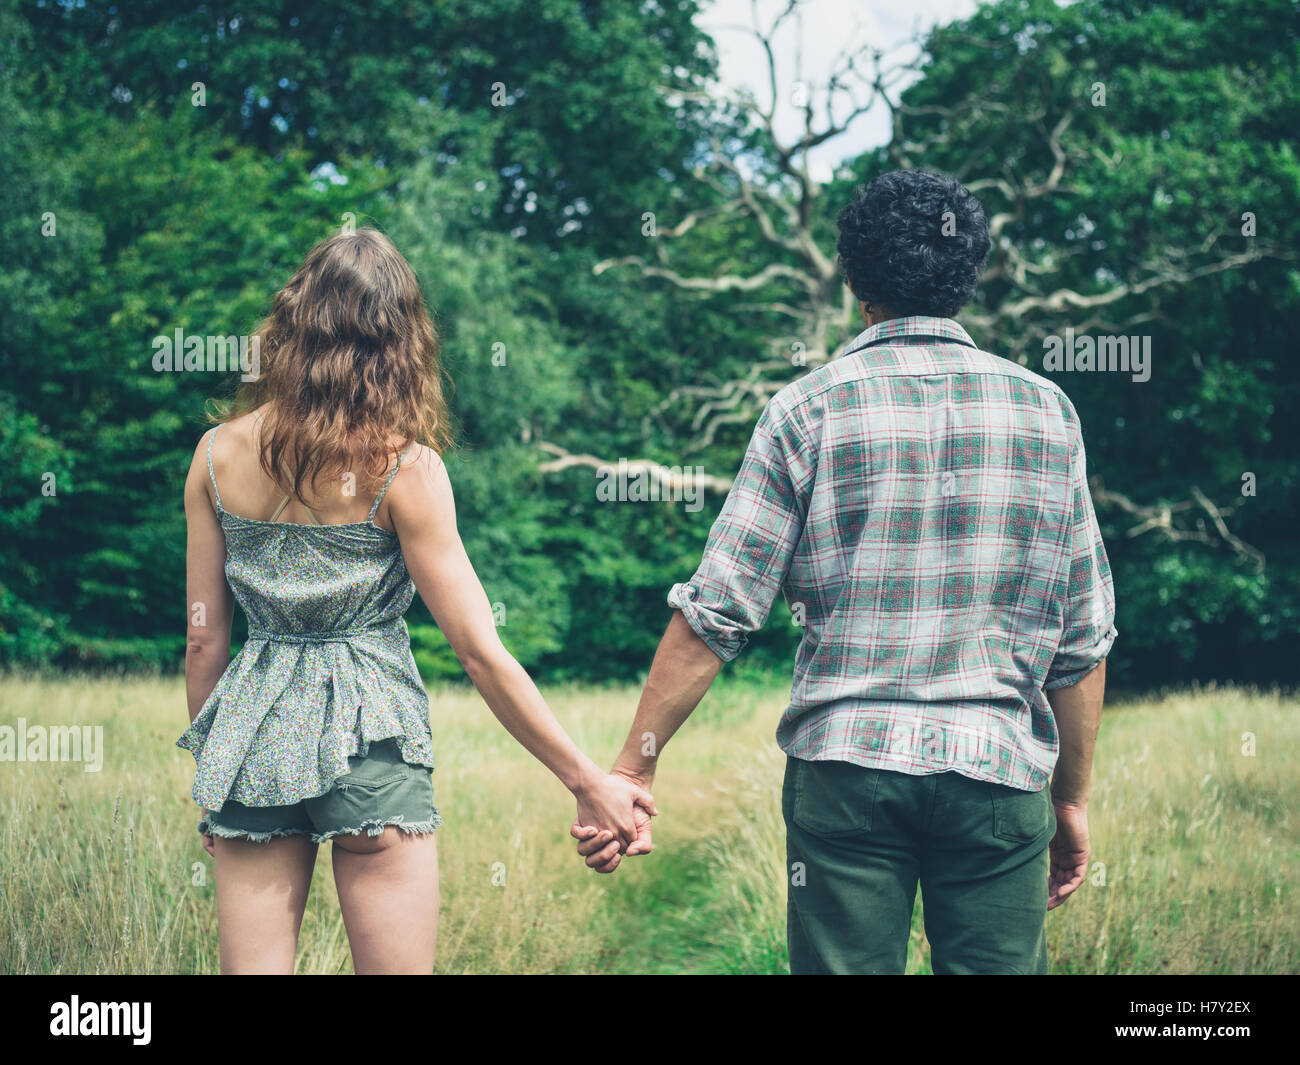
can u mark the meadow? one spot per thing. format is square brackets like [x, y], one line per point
[1193, 817]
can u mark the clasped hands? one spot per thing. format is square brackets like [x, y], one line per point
[613, 819]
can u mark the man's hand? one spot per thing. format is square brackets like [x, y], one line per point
[1070, 850]
[602, 851]
[684, 666]
[613, 815]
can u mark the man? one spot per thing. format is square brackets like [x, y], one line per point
[924, 506]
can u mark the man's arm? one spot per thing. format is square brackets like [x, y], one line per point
[1088, 609]
[1077, 710]
[745, 562]
[682, 671]
[1076, 683]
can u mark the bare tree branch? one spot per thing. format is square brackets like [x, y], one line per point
[1159, 518]
[1064, 298]
[722, 283]
[672, 478]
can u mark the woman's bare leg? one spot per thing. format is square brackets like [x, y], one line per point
[261, 894]
[388, 890]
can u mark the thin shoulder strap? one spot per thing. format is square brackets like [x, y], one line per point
[284, 503]
[211, 438]
[392, 473]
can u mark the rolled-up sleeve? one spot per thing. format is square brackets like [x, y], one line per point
[1088, 618]
[751, 544]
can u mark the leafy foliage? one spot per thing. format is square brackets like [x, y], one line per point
[508, 146]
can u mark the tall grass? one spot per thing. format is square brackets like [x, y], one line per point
[1194, 840]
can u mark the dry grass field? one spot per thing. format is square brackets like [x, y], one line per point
[103, 872]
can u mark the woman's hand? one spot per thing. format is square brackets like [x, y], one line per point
[616, 811]
[605, 838]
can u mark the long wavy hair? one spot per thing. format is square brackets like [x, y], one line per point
[349, 358]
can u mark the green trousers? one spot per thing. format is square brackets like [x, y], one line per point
[858, 841]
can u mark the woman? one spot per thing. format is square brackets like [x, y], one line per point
[320, 503]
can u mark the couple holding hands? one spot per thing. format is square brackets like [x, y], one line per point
[923, 500]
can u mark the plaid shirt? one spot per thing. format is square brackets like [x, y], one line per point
[924, 507]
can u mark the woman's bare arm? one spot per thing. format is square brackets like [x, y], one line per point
[210, 606]
[423, 512]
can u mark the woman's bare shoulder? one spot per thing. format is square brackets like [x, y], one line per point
[234, 437]
[421, 480]
[423, 458]
[237, 428]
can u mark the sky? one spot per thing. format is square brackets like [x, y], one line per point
[826, 28]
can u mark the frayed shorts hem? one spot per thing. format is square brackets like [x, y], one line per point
[374, 827]
[379, 791]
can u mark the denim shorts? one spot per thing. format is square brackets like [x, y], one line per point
[379, 790]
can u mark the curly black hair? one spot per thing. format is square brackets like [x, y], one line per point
[913, 241]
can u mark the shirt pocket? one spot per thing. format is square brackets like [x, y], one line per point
[834, 798]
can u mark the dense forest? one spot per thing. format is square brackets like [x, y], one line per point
[626, 261]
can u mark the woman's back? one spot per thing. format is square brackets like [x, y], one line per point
[327, 669]
[246, 490]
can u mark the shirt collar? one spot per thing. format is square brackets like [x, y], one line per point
[916, 329]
